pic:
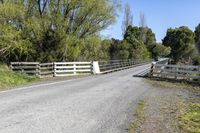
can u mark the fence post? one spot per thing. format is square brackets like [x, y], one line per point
[11, 65]
[21, 66]
[74, 65]
[38, 69]
[199, 74]
[163, 69]
[152, 69]
[54, 69]
[176, 73]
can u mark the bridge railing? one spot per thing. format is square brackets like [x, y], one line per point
[176, 72]
[72, 68]
[30, 68]
[115, 65]
[58, 69]
[46, 69]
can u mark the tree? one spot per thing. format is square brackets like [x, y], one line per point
[143, 27]
[138, 49]
[182, 43]
[150, 38]
[196, 60]
[143, 22]
[52, 30]
[160, 51]
[136, 33]
[13, 45]
[128, 19]
[197, 37]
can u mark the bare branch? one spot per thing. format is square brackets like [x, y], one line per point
[128, 19]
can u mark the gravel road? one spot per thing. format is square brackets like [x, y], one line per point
[95, 104]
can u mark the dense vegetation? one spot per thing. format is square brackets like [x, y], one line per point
[9, 78]
[65, 30]
[138, 43]
[53, 30]
[182, 43]
[62, 30]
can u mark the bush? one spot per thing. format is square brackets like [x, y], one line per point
[8, 78]
[196, 60]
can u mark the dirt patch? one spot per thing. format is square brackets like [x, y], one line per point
[167, 107]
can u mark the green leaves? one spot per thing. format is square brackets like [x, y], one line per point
[181, 41]
[160, 50]
[11, 12]
[57, 30]
[138, 48]
[197, 37]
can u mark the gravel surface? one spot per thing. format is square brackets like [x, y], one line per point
[95, 104]
[164, 103]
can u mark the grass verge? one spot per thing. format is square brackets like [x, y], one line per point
[138, 116]
[190, 119]
[9, 79]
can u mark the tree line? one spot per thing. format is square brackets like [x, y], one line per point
[54, 30]
[184, 44]
[69, 30]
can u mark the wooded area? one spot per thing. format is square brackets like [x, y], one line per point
[66, 30]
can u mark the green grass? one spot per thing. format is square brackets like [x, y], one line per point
[190, 120]
[9, 79]
[138, 116]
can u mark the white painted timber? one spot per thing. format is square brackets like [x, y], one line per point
[96, 69]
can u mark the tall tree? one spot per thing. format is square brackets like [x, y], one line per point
[197, 37]
[143, 26]
[142, 22]
[138, 49]
[128, 19]
[182, 43]
[54, 29]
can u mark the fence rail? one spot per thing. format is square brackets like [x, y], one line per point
[31, 68]
[59, 69]
[46, 70]
[115, 65]
[52, 69]
[183, 72]
[72, 68]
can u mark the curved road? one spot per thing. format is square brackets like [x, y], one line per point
[95, 104]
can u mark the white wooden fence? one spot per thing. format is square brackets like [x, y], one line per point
[53, 69]
[182, 72]
[46, 69]
[72, 68]
[58, 69]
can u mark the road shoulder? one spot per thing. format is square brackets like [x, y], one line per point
[167, 107]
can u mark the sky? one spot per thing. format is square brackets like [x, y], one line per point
[160, 15]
